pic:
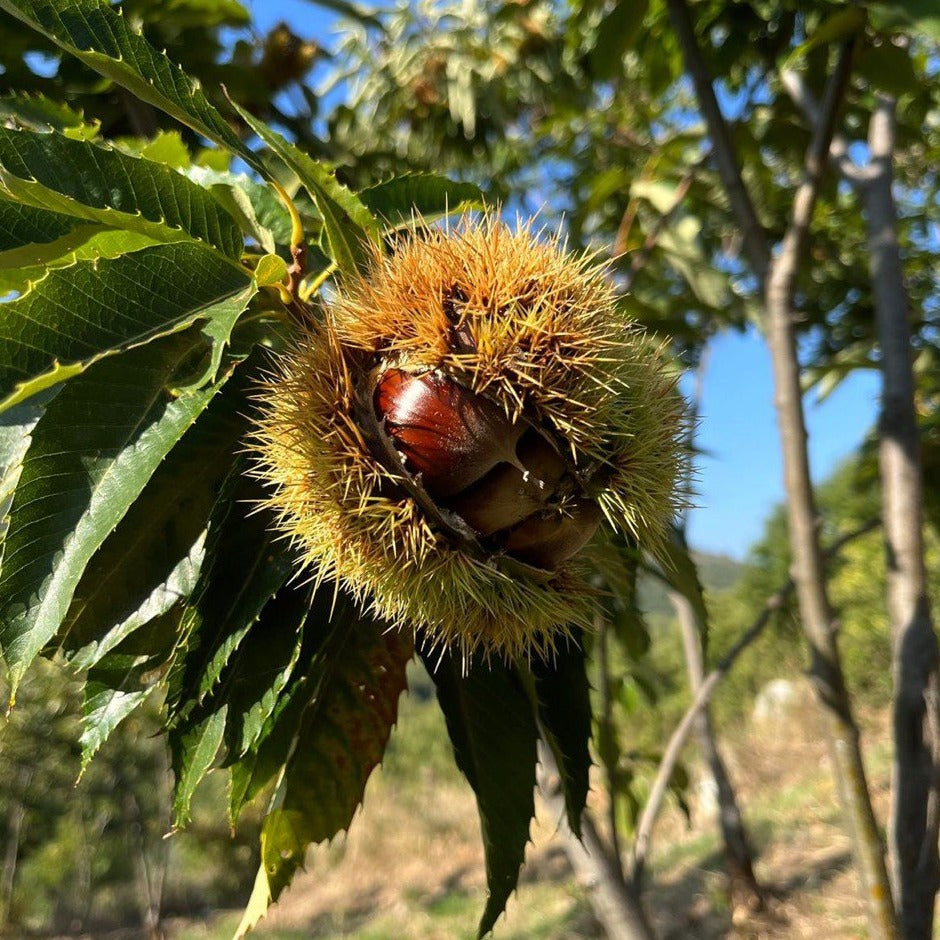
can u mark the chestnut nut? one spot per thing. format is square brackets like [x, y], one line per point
[506, 479]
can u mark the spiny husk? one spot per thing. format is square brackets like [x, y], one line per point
[508, 315]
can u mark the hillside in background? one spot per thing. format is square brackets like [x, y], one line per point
[717, 572]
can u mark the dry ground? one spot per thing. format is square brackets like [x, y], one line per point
[412, 866]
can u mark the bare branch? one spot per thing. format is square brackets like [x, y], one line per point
[642, 257]
[615, 902]
[667, 765]
[803, 98]
[755, 238]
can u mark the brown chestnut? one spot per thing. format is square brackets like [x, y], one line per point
[552, 537]
[447, 433]
[503, 478]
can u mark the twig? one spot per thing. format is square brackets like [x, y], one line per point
[802, 97]
[671, 754]
[782, 279]
[602, 627]
[642, 257]
[755, 238]
[614, 901]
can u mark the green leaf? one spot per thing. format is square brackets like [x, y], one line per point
[341, 739]
[92, 451]
[121, 682]
[846, 21]
[97, 33]
[348, 224]
[77, 315]
[889, 68]
[615, 36]
[273, 743]
[492, 728]
[158, 533]
[194, 756]
[261, 667]
[21, 267]
[681, 573]
[16, 427]
[329, 617]
[681, 242]
[419, 198]
[919, 17]
[26, 225]
[270, 270]
[100, 184]
[621, 604]
[256, 206]
[37, 112]
[246, 563]
[563, 702]
[103, 709]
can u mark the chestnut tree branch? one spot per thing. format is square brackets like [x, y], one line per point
[615, 902]
[642, 257]
[754, 237]
[703, 695]
[802, 97]
[816, 612]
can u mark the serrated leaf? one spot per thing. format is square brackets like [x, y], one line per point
[26, 225]
[37, 112]
[157, 534]
[492, 728]
[103, 709]
[121, 682]
[84, 243]
[100, 184]
[245, 565]
[563, 702]
[97, 33]
[261, 667]
[419, 198]
[329, 616]
[77, 315]
[92, 451]
[272, 747]
[16, 427]
[348, 224]
[257, 906]
[341, 740]
[194, 756]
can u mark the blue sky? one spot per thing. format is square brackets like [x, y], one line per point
[741, 478]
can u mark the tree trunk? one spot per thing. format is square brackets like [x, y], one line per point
[913, 819]
[808, 570]
[614, 902]
[744, 890]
